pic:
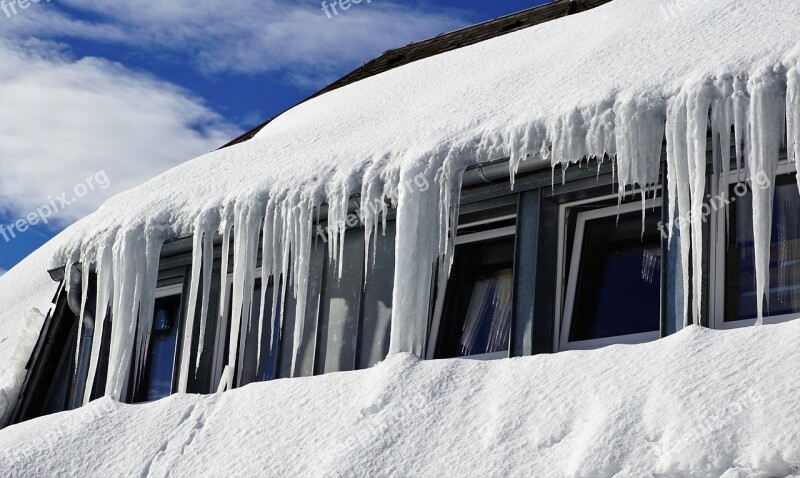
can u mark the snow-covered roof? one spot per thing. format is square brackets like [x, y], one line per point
[702, 403]
[563, 83]
[609, 81]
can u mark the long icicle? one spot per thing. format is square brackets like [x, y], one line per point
[767, 116]
[191, 309]
[105, 285]
[208, 265]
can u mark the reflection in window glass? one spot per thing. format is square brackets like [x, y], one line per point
[58, 394]
[157, 377]
[252, 371]
[377, 306]
[304, 365]
[340, 307]
[783, 295]
[618, 287]
[477, 318]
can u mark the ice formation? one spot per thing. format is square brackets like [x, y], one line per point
[434, 118]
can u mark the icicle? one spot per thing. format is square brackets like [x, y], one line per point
[135, 272]
[246, 228]
[266, 270]
[301, 246]
[284, 254]
[225, 231]
[767, 116]
[415, 254]
[421, 225]
[277, 273]
[449, 179]
[372, 207]
[147, 300]
[793, 118]
[698, 104]
[679, 192]
[105, 285]
[338, 209]
[639, 138]
[208, 265]
[741, 107]
[204, 225]
[722, 122]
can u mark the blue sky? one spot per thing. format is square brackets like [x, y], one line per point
[100, 96]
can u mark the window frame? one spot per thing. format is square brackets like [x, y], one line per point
[165, 292]
[565, 290]
[475, 238]
[718, 240]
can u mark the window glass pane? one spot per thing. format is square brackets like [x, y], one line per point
[200, 372]
[377, 307]
[618, 286]
[252, 370]
[157, 379]
[306, 351]
[58, 393]
[340, 308]
[477, 318]
[783, 295]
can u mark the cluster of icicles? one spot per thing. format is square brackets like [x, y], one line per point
[752, 111]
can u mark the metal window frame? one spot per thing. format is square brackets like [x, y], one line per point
[173, 290]
[566, 286]
[437, 322]
[719, 241]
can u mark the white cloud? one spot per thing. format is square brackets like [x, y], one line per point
[64, 120]
[2, 271]
[245, 36]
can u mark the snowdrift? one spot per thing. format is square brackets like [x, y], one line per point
[702, 403]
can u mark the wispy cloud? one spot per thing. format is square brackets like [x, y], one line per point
[295, 39]
[62, 120]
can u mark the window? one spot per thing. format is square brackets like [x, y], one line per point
[157, 376]
[346, 325]
[340, 307]
[614, 279]
[735, 258]
[377, 304]
[250, 369]
[476, 321]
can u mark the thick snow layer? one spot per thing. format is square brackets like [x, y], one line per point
[22, 289]
[613, 81]
[702, 403]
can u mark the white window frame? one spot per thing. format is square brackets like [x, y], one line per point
[719, 240]
[162, 293]
[566, 288]
[478, 237]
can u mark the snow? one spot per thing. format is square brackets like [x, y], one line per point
[26, 294]
[614, 81]
[701, 403]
